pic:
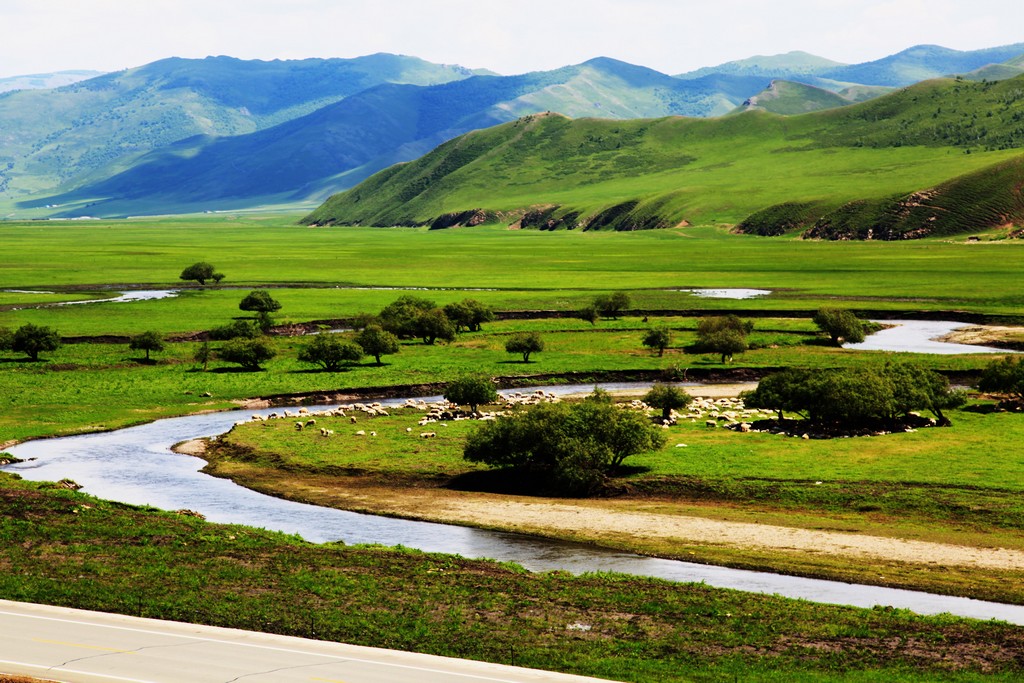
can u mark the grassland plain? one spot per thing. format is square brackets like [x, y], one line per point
[957, 486]
[529, 269]
[67, 548]
[98, 386]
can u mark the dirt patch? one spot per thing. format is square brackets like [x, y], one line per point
[196, 447]
[1000, 336]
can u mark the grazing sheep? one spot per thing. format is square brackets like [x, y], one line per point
[352, 419]
[428, 435]
[298, 426]
[711, 423]
[361, 432]
[373, 433]
[408, 429]
[310, 423]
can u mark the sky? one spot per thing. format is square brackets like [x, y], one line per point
[672, 36]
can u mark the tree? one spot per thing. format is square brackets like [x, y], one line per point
[525, 343]
[840, 325]
[659, 338]
[203, 355]
[471, 391]
[569, 447]
[217, 277]
[1005, 376]
[200, 272]
[469, 314]
[857, 396]
[433, 325]
[399, 317]
[725, 335]
[727, 343]
[611, 305]
[33, 339]
[6, 338]
[239, 329]
[249, 353]
[590, 314]
[377, 342]
[780, 391]
[259, 300]
[667, 397]
[147, 341]
[330, 352]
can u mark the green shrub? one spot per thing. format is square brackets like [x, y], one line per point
[249, 353]
[566, 448]
[471, 391]
[330, 352]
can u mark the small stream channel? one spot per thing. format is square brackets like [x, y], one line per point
[135, 465]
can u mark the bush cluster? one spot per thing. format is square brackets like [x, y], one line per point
[854, 397]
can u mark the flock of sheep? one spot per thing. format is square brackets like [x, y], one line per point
[725, 412]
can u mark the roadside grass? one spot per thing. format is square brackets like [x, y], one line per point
[70, 549]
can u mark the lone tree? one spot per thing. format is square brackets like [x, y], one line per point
[659, 338]
[201, 272]
[567, 448]
[203, 355]
[147, 341]
[589, 313]
[6, 338]
[259, 301]
[330, 352]
[725, 335]
[1004, 376]
[377, 342]
[667, 397]
[249, 353]
[33, 339]
[611, 305]
[471, 391]
[525, 343]
[840, 325]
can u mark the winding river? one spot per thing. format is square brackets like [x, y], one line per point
[135, 465]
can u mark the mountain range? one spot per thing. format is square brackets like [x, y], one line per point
[940, 157]
[221, 133]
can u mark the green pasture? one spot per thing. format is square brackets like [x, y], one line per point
[527, 270]
[100, 386]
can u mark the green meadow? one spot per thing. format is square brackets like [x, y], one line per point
[956, 485]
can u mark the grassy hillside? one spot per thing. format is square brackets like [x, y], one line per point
[665, 171]
[53, 137]
[343, 143]
[788, 98]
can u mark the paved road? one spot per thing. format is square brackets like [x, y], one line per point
[76, 646]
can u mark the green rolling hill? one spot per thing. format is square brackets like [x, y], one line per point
[551, 172]
[338, 145]
[789, 98]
